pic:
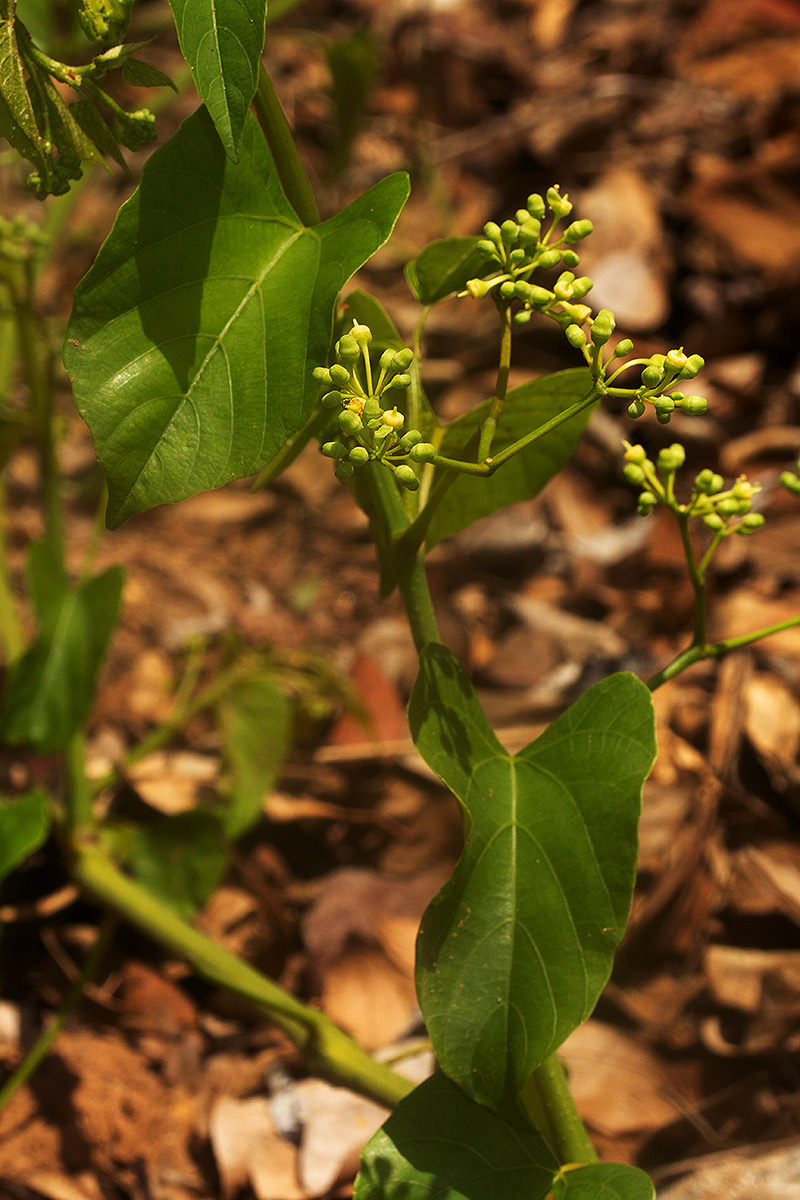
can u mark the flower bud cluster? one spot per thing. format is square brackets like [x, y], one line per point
[724, 511]
[659, 375]
[370, 428]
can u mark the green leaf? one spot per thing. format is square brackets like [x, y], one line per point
[50, 689]
[145, 75]
[255, 721]
[180, 859]
[444, 268]
[353, 68]
[194, 335]
[523, 476]
[440, 1145]
[514, 951]
[222, 42]
[24, 824]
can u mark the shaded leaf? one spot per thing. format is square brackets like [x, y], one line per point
[180, 859]
[604, 1181]
[255, 721]
[145, 75]
[194, 335]
[514, 951]
[222, 42]
[353, 68]
[523, 476]
[24, 823]
[50, 689]
[444, 267]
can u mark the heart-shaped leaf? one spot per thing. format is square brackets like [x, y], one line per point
[514, 951]
[222, 42]
[445, 267]
[194, 335]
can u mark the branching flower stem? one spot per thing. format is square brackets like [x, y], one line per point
[489, 426]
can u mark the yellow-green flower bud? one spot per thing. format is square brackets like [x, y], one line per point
[671, 458]
[575, 336]
[635, 454]
[403, 359]
[692, 367]
[522, 318]
[358, 455]
[535, 206]
[331, 399]
[676, 359]
[350, 422]
[750, 523]
[321, 375]
[423, 452]
[622, 348]
[508, 231]
[400, 381]
[560, 206]
[507, 290]
[393, 418]
[487, 249]
[634, 473]
[791, 483]
[636, 408]
[347, 348]
[412, 438]
[577, 231]
[652, 376]
[362, 334]
[339, 375]
[695, 406]
[492, 231]
[550, 258]
[713, 521]
[405, 475]
[646, 504]
[707, 483]
[334, 449]
[476, 288]
[540, 297]
[603, 327]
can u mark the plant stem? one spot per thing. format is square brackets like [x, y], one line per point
[10, 625]
[329, 1052]
[319, 418]
[291, 171]
[694, 653]
[44, 1042]
[698, 582]
[548, 1100]
[489, 426]
[79, 796]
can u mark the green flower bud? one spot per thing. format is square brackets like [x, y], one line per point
[105, 21]
[562, 289]
[569, 258]
[529, 234]
[663, 417]
[507, 290]
[372, 408]
[603, 327]
[540, 297]
[508, 232]
[487, 248]
[791, 483]
[622, 348]
[522, 318]
[339, 375]
[322, 375]
[405, 475]
[634, 473]
[577, 231]
[664, 404]
[386, 360]
[728, 507]
[347, 348]
[334, 449]
[651, 376]
[362, 334]
[492, 231]
[410, 439]
[550, 258]
[743, 489]
[522, 291]
[695, 406]
[750, 523]
[331, 399]
[636, 408]
[692, 367]
[403, 359]
[714, 522]
[575, 336]
[635, 454]
[344, 470]
[358, 455]
[517, 257]
[522, 216]
[676, 360]
[646, 504]
[400, 381]
[560, 206]
[581, 287]
[535, 206]
[350, 422]
[671, 458]
[476, 288]
[423, 452]
[707, 483]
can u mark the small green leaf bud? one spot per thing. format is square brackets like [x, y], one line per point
[750, 523]
[403, 359]
[634, 473]
[651, 376]
[399, 381]
[713, 521]
[334, 449]
[487, 248]
[331, 399]
[636, 408]
[560, 206]
[405, 475]
[350, 422]
[410, 439]
[508, 231]
[575, 336]
[671, 458]
[347, 348]
[507, 290]
[646, 504]
[476, 288]
[707, 483]
[622, 348]
[550, 258]
[423, 452]
[358, 455]
[577, 231]
[522, 318]
[569, 258]
[492, 231]
[603, 327]
[692, 367]
[362, 334]
[540, 297]
[791, 483]
[321, 375]
[344, 470]
[676, 360]
[339, 375]
[695, 406]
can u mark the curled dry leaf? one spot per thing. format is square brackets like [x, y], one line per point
[248, 1150]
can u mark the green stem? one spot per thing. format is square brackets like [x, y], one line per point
[11, 631]
[697, 653]
[698, 582]
[329, 1052]
[79, 795]
[293, 446]
[291, 171]
[548, 1101]
[489, 426]
[44, 1042]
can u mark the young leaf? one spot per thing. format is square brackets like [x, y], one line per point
[194, 334]
[145, 75]
[523, 476]
[514, 951]
[24, 823]
[255, 721]
[222, 42]
[440, 1145]
[444, 268]
[180, 859]
[50, 689]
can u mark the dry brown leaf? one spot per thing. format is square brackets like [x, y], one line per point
[747, 1175]
[171, 782]
[766, 879]
[368, 996]
[248, 1150]
[337, 1124]
[772, 722]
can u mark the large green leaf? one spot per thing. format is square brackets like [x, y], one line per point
[440, 1145]
[523, 476]
[445, 267]
[514, 951]
[50, 689]
[222, 42]
[24, 823]
[255, 721]
[194, 335]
